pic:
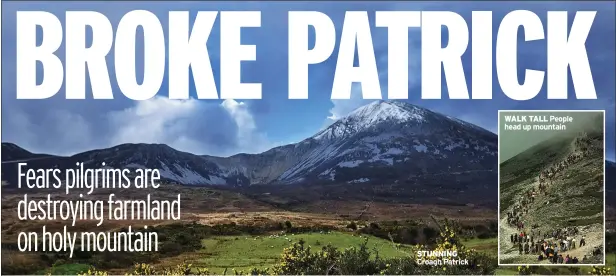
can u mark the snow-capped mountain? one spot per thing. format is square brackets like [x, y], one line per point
[379, 142]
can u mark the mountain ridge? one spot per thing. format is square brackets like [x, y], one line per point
[382, 141]
[372, 152]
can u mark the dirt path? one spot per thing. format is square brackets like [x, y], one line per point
[509, 253]
[507, 250]
[594, 238]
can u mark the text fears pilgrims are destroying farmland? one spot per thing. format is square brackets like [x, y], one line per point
[187, 50]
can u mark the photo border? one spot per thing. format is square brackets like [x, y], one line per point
[498, 122]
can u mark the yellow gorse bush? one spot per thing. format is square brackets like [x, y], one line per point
[601, 270]
[93, 272]
[147, 269]
[448, 241]
[525, 270]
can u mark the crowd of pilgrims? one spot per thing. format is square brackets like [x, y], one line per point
[551, 245]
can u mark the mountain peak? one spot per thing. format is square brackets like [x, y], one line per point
[380, 110]
[371, 115]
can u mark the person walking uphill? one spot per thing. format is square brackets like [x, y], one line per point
[520, 248]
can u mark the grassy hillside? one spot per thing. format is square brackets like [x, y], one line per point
[524, 167]
[225, 252]
[582, 182]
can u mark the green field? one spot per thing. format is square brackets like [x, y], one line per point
[65, 269]
[244, 252]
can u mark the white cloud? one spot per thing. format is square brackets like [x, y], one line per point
[158, 120]
[249, 139]
[194, 126]
[342, 108]
[171, 122]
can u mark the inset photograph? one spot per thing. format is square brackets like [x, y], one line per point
[551, 188]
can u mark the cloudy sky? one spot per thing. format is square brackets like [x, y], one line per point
[217, 127]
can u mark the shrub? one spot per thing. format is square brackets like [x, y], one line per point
[143, 269]
[448, 240]
[147, 269]
[299, 259]
[352, 226]
[356, 261]
[527, 270]
[202, 271]
[181, 269]
[93, 272]
[429, 233]
[600, 270]
[574, 270]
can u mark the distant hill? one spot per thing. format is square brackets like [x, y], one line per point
[12, 152]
